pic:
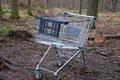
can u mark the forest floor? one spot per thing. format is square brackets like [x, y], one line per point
[103, 59]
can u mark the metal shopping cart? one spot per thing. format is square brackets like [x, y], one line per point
[67, 33]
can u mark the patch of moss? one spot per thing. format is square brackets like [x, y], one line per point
[115, 19]
[1, 68]
[111, 53]
[23, 13]
[4, 30]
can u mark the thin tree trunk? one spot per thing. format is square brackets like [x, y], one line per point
[29, 7]
[57, 3]
[14, 9]
[47, 3]
[0, 11]
[102, 6]
[66, 4]
[114, 3]
[73, 4]
[80, 7]
[92, 8]
[108, 5]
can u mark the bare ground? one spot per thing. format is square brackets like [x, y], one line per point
[26, 54]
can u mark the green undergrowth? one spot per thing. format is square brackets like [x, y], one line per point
[22, 13]
[115, 19]
[1, 68]
[109, 19]
[4, 30]
[113, 53]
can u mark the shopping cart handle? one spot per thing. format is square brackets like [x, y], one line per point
[78, 15]
[47, 18]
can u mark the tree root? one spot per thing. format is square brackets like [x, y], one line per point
[20, 34]
[7, 64]
[5, 77]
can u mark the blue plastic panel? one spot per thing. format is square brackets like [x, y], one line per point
[50, 27]
[72, 31]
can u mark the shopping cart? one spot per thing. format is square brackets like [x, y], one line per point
[68, 34]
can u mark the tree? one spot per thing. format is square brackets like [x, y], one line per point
[73, 4]
[29, 7]
[0, 11]
[14, 9]
[47, 3]
[114, 3]
[80, 7]
[57, 3]
[92, 7]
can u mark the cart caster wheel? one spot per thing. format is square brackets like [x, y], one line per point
[38, 75]
[53, 78]
[60, 63]
[85, 68]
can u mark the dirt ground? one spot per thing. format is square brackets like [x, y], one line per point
[26, 54]
[103, 59]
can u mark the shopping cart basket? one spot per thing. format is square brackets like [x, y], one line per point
[67, 33]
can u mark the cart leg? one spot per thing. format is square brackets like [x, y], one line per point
[84, 60]
[41, 60]
[55, 74]
[38, 74]
[59, 56]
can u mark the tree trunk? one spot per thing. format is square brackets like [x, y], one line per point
[92, 7]
[14, 9]
[80, 7]
[47, 4]
[101, 6]
[29, 8]
[0, 11]
[73, 4]
[114, 3]
[89, 6]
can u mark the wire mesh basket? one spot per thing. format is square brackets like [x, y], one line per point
[76, 31]
[67, 29]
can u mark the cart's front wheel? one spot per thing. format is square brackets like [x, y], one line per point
[38, 75]
[53, 78]
[59, 62]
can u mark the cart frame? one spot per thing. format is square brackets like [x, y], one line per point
[53, 31]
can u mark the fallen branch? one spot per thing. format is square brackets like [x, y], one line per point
[98, 52]
[116, 36]
[101, 53]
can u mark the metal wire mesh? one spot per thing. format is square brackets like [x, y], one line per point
[75, 33]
